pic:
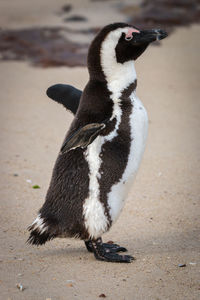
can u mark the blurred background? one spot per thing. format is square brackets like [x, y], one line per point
[56, 34]
[45, 42]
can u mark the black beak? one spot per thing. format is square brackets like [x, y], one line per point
[148, 36]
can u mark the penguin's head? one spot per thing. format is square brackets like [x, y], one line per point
[119, 43]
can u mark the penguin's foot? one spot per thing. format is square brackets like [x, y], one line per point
[108, 246]
[88, 245]
[109, 254]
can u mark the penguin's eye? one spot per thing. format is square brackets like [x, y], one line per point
[128, 38]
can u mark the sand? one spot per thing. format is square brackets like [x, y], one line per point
[160, 222]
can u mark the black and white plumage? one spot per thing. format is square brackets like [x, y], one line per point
[103, 148]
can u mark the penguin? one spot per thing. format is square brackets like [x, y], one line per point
[103, 147]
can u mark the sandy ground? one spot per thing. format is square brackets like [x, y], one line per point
[160, 222]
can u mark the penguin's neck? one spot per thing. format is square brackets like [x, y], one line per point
[120, 77]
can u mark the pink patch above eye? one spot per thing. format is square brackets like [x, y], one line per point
[130, 32]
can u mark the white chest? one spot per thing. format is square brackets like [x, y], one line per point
[139, 127]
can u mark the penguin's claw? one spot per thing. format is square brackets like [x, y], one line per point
[107, 251]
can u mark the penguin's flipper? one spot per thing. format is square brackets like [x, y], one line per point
[65, 94]
[83, 137]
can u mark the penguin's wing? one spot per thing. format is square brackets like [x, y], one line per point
[82, 137]
[65, 94]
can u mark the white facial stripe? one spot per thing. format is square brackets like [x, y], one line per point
[118, 76]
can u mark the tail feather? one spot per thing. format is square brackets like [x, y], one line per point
[37, 238]
[39, 232]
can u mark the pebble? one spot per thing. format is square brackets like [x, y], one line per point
[20, 287]
[70, 285]
[182, 265]
[71, 281]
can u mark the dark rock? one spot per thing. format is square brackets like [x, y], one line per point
[44, 47]
[67, 8]
[182, 265]
[48, 47]
[167, 14]
[75, 18]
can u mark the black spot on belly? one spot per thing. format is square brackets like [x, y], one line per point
[115, 154]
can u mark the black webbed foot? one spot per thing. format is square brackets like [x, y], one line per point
[111, 246]
[88, 245]
[107, 251]
[114, 247]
